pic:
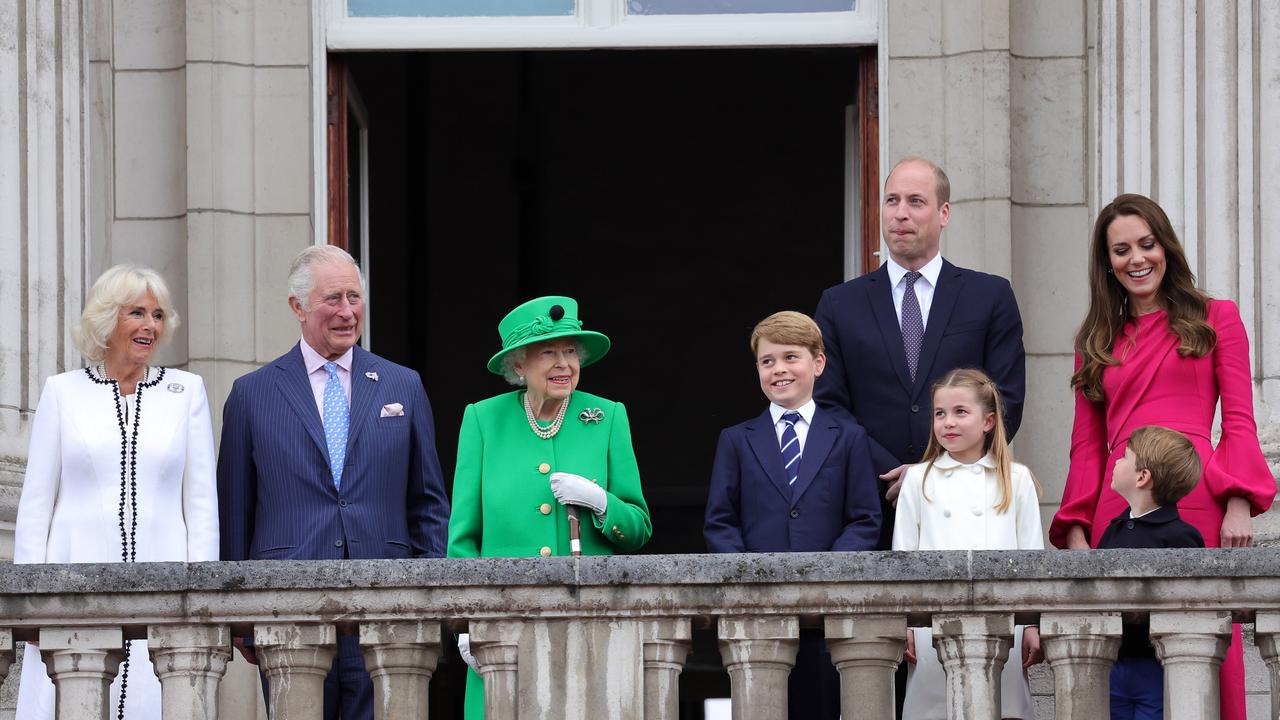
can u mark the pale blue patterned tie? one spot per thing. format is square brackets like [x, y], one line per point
[335, 422]
[791, 446]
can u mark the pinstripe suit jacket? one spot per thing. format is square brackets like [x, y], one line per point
[275, 493]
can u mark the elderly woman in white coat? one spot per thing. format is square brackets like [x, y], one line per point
[121, 467]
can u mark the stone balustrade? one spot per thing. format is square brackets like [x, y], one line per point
[607, 637]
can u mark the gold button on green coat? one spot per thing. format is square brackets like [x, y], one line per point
[545, 508]
[544, 468]
[545, 551]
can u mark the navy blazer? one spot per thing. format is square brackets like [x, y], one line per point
[973, 322]
[833, 506]
[276, 498]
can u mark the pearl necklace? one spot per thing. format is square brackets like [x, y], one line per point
[551, 430]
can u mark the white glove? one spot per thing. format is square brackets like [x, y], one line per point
[464, 649]
[571, 489]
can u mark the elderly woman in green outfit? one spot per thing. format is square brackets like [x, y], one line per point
[528, 458]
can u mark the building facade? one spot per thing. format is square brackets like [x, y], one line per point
[195, 136]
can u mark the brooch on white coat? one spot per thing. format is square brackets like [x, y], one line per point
[175, 388]
[372, 375]
[590, 415]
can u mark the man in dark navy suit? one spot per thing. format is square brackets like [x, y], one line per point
[329, 452]
[892, 332]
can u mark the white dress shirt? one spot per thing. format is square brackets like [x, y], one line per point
[319, 376]
[802, 428]
[924, 286]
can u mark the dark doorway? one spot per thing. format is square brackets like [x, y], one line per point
[680, 195]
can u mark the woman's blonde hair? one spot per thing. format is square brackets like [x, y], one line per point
[996, 441]
[1186, 305]
[119, 286]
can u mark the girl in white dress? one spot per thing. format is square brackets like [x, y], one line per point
[968, 494]
[121, 468]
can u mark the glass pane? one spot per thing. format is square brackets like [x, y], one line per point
[458, 8]
[717, 7]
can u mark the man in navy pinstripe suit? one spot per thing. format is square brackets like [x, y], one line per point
[329, 452]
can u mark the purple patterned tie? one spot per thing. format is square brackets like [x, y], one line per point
[912, 323]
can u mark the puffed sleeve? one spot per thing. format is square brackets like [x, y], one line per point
[466, 517]
[626, 520]
[1084, 474]
[199, 484]
[1237, 467]
[906, 521]
[40, 488]
[1027, 505]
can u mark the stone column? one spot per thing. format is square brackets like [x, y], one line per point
[973, 649]
[296, 659]
[400, 656]
[82, 662]
[1081, 649]
[1191, 645]
[666, 646]
[190, 661]
[759, 654]
[1267, 634]
[866, 649]
[6, 652]
[496, 646]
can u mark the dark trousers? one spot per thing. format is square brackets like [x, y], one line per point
[348, 691]
[813, 690]
[1137, 689]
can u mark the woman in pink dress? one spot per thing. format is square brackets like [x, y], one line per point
[1155, 350]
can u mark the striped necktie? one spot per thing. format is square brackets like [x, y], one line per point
[790, 446]
[335, 418]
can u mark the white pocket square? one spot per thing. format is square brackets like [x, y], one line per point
[392, 410]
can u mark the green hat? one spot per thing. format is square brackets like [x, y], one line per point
[546, 318]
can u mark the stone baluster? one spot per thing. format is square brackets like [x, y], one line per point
[1267, 632]
[82, 662]
[666, 646]
[759, 654]
[496, 647]
[6, 652]
[973, 649]
[1081, 649]
[866, 649]
[401, 657]
[190, 661]
[1191, 645]
[296, 659]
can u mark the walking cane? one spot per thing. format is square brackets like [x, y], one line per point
[575, 538]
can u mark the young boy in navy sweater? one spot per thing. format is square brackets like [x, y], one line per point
[798, 478]
[1160, 466]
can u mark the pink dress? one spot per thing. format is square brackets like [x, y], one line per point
[1154, 385]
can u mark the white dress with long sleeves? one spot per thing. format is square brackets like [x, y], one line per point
[960, 515]
[70, 506]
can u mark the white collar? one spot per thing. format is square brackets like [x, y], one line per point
[946, 462]
[930, 271]
[314, 360]
[806, 411]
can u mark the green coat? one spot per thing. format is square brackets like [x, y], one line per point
[502, 501]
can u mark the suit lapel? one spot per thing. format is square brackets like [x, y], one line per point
[363, 394]
[296, 388]
[763, 440]
[817, 446]
[950, 282]
[880, 295]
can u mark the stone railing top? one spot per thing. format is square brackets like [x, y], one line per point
[808, 584]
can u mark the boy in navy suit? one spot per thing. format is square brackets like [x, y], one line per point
[798, 478]
[1160, 467]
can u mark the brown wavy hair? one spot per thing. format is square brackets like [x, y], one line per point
[1186, 305]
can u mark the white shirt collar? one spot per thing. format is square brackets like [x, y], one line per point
[930, 271]
[806, 411]
[945, 461]
[314, 360]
